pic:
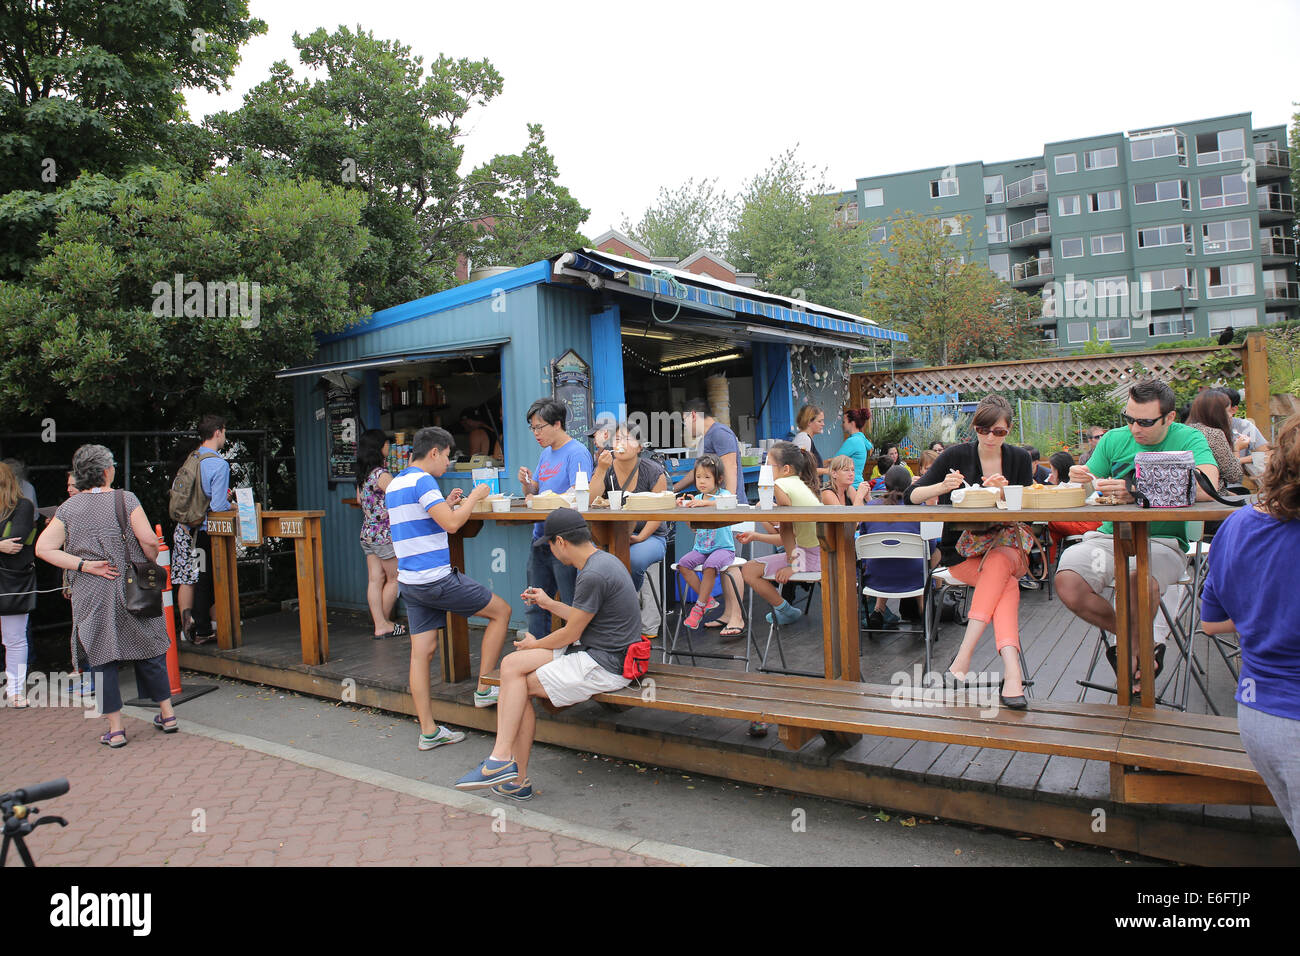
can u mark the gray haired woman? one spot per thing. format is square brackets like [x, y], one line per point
[86, 537]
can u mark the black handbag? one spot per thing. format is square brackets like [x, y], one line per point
[142, 581]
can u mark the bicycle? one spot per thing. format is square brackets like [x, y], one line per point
[20, 816]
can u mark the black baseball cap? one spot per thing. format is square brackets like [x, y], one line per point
[559, 521]
[605, 421]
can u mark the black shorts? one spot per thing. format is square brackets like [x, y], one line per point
[427, 604]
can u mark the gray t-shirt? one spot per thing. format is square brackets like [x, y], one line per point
[604, 587]
[721, 440]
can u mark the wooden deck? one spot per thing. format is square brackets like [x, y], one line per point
[1054, 796]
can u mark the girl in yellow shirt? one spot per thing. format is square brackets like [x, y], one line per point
[796, 486]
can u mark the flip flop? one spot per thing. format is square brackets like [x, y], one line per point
[732, 631]
[714, 625]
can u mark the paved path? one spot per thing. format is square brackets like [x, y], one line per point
[200, 798]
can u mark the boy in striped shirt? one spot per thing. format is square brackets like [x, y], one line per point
[421, 518]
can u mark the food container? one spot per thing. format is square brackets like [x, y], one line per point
[725, 501]
[490, 504]
[549, 501]
[649, 501]
[1060, 496]
[501, 504]
[974, 498]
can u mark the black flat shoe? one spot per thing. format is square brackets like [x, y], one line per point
[1014, 703]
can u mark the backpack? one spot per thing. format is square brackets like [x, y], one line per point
[188, 502]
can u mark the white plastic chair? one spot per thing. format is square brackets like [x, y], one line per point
[903, 546]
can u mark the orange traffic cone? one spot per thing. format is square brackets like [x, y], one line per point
[173, 662]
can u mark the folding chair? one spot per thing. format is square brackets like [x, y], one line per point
[680, 631]
[900, 546]
[813, 578]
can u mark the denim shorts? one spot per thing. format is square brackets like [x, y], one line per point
[427, 604]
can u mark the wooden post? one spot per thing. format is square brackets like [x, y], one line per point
[846, 601]
[1140, 604]
[225, 579]
[453, 646]
[1123, 544]
[831, 637]
[1254, 368]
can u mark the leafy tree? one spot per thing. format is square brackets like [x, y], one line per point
[97, 87]
[378, 123]
[954, 309]
[789, 232]
[95, 329]
[685, 219]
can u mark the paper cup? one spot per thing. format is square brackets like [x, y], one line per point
[500, 504]
[766, 496]
[1014, 496]
[615, 501]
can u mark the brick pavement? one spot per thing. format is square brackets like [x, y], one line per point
[135, 806]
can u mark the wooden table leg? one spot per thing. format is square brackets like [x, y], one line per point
[1123, 607]
[846, 599]
[620, 541]
[309, 610]
[318, 576]
[830, 592]
[1145, 614]
[225, 585]
[453, 649]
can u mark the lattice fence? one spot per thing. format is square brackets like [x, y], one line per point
[1074, 370]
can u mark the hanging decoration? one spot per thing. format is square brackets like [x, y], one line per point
[819, 375]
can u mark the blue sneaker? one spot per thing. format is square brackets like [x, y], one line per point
[515, 791]
[488, 774]
[785, 615]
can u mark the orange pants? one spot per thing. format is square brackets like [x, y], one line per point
[997, 591]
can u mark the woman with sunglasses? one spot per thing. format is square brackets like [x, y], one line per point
[991, 463]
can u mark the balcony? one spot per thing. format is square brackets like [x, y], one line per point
[1271, 163]
[1281, 293]
[1034, 232]
[1030, 191]
[1277, 250]
[1275, 206]
[1032, 273]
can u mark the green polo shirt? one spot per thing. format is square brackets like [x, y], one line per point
[1113, 458]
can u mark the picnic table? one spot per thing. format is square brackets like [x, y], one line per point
[835, 530]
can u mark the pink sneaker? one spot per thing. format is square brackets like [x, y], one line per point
[693, 619]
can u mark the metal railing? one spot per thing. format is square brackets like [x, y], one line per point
[1272, 156]
[1277, 246]
[1038, 226]
[1037, 183]
[1031, 268]
[1281, 290]
[1275, 201]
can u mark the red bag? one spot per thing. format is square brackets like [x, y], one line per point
[637, 660]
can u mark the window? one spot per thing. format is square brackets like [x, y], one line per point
[951, 225]
[1105, 201]
[879, 234]
[996, 227]
[1101, 158]
[1165, 190]
[1071, 248]
[1170, 323]
[1109, 330]
[940, 188]
[1111, 287]
[849, 213]
[1221, 282]
[1000, 266]
[1230, 235]
[1049, 335]
[1233, 318]
[873, 197]
[1220, 147]
[1158, 146]
[1076, 332]
[1106, 245]
[1067, 206]
[1153, 236]
[1067, 163]
[993, 191]
[1168, 280]
[1220, 191]
[1074, 290]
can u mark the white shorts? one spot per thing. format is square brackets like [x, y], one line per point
[1093, 559]
[572, 678]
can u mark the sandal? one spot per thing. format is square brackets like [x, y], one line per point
[111, 740]
[400, 630]
[188, 627]
[731, 632]
[167, 725]
[17, 702]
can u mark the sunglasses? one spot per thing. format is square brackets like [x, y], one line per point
[1144, 422]
[1000, 432]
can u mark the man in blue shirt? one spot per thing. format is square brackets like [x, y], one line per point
[420, 519]
[192, 577]
[557, 469]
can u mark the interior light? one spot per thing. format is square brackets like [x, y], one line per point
[708, 360]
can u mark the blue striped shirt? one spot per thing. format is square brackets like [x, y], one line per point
[420, 542]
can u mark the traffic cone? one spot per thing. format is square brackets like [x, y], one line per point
[173, 662]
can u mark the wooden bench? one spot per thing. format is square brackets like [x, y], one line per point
[1156, 756]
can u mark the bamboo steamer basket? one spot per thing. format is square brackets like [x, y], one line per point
[649, 501]
[549, 501]
[976, 498]
[1055, 497]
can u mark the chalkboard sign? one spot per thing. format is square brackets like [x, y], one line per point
[571, 386]
[344, 423]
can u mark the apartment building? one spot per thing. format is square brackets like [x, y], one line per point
[1135, 238]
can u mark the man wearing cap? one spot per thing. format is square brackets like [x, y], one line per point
[605, 617]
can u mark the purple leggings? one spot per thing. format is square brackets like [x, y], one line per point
[719, 560]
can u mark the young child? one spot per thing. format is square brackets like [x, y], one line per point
[796, 485]
[715, 548]
[892, 574]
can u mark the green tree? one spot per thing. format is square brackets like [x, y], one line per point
[695, 215]
[97, 87]
[95, 330]
[923, 280]
[377, 122]
[788, 230]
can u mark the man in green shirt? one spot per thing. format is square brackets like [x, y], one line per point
[1086, 569]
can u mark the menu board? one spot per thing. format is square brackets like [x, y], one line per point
[343, 421]
[571, 386]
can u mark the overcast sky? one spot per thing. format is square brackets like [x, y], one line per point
[637, 96]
